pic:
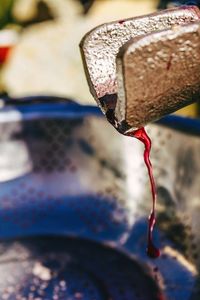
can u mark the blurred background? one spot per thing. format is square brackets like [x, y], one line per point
[39, 40]
[59, 176]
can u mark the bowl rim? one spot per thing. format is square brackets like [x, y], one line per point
[49, 107]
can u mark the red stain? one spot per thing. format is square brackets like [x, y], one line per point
[121, 21]
[169, 63]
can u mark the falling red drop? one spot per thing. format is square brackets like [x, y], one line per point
[141, 135]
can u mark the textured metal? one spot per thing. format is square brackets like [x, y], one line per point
[99, 48]
[159, 74]
[82, 186]
[71, 269]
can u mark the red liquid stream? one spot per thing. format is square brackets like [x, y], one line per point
[141, 135]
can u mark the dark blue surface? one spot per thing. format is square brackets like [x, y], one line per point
[55, 107]
[35, 204]
[164, 3]
[185, 124]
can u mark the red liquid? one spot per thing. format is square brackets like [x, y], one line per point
[141, 135]
[169, 64]
[4, 50]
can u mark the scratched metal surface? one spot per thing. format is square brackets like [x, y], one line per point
[100, 46]
[127, 55]
[65, 171]
[159, 74]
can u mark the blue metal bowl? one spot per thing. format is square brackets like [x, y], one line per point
[68, 176]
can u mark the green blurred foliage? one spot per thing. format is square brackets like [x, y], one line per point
[6, 17]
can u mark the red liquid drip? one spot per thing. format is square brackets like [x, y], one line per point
[4, 50]
[169, 64]
[141, 135]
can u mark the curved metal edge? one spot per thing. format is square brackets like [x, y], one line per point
[40, 107]
[70, 109]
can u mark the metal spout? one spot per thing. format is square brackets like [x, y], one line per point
[122, 58]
